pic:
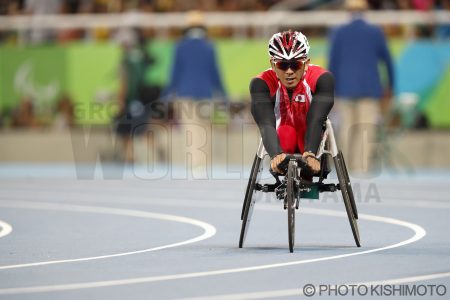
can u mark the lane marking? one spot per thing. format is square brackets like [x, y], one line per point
[299, 291]
[5, 229]
[209, 230]
[419, 233]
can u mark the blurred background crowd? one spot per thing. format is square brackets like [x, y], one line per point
[116, 6]
[100, 62]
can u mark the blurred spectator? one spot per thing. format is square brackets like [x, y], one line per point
[443, 30]
[356, 49]
[402, 4]
[11, 8]
[146, 5]
[65, 113]
[230, 5]
[135, 95]
[4, 7]
[76, 6]
[195, 73]
[423, 5]
[71, 34]
[382, 4]
[117, 6]
[8, 7]
[195, 81]
[42, 7]
[23, 115]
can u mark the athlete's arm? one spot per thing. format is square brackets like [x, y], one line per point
[321, 104]
[262, 110]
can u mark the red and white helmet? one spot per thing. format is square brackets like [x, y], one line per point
[288, 45]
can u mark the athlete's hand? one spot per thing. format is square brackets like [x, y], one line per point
[312, 161]
[276, 161]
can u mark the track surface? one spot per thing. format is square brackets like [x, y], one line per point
[63, 238]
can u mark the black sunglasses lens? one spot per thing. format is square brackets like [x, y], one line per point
[295, 65]
[284, 65]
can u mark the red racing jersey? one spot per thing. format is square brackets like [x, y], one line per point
[292, 112]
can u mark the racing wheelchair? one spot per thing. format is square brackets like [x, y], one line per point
[293, 186]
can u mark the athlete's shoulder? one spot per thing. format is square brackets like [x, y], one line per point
[271, 80]
[312, 75]
[315, 70]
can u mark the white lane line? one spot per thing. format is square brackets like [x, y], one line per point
[5, 229]
[209, 230]
[299, 291]
[419, 233]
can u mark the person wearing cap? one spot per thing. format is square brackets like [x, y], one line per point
[356, 51]
[195, 73]
[195, 85]
[291, 100]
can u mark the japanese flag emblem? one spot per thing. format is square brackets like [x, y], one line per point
[300, 98]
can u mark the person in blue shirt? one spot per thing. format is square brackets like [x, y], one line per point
[195, 72]
[194, 87]
[356, 50]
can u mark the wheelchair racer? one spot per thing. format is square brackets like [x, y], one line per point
[291, 100]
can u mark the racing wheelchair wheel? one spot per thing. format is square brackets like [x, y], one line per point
[249, 184]
[250, 198]
[291, 202]
[347, 195]
[348, 184]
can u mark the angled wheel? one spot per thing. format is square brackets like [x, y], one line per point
[250, 198]
[249, 184]
[348, 184]
[291, 202]
[347, 198]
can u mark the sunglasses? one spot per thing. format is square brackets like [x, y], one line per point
[294, 65]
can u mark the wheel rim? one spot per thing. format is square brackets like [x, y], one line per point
[248, 185]
[250, 201]
[347, 201]
[348, 184]
[290, 194]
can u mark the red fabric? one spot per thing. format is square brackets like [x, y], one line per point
[290, 141]
[293, 116]
[270, 77]
[423, 5]
[312, 75]
[292, 124]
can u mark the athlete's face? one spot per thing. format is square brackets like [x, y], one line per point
[289, 72]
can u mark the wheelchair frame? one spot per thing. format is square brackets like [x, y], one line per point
[290, 187]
